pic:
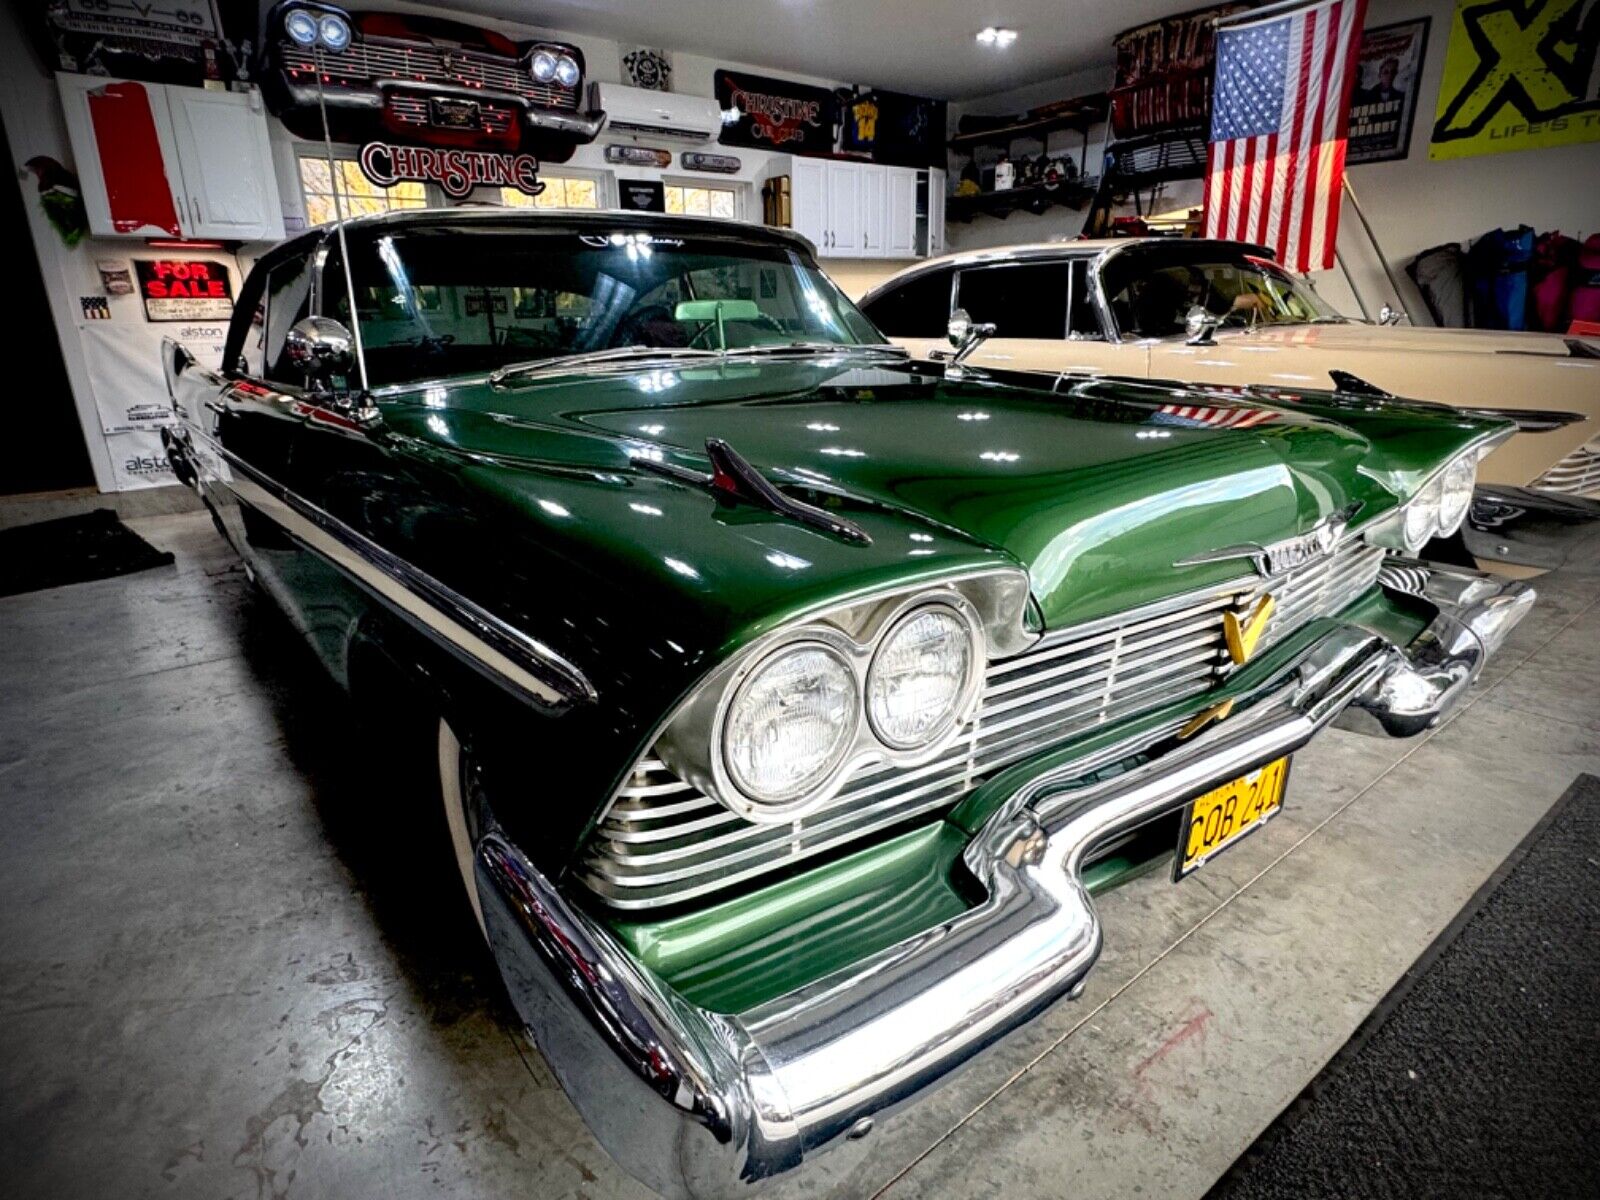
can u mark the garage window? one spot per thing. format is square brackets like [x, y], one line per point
[560, 191]
[696, 200]
[919, 307]
[359, 195]
[1022, 300]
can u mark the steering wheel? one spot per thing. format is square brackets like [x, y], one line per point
[631, 329]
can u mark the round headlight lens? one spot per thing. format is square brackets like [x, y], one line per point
[790, 723]
[1422, 516]
[919, 677]
[567, 73]
[301, 27]
[334, 31]
[544, 66]
[1455, 493]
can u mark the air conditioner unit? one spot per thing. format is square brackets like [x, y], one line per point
[647, 113]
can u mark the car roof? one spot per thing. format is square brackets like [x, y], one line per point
[1048, 251]
[608, 220]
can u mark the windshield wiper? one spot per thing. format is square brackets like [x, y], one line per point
[562, 362]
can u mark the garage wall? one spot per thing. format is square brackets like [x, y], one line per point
[112, 364]
[1413, 204]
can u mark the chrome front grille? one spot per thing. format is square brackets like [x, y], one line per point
[370, 60]
[1578, 474]
[663, 841]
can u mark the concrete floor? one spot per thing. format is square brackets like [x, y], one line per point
[233, 962]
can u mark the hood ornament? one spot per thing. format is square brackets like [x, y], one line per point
[1278, 557]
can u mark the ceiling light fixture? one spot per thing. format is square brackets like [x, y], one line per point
[989, 35]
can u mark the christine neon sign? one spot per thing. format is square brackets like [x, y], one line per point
[457, 172]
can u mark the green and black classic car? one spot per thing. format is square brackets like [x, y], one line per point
[792, 699]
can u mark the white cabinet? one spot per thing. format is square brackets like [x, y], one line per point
[844, 209]
[860, 210]
[226, 162]
[160, 161]
[900, 238]
[808, 199]
[935, 212]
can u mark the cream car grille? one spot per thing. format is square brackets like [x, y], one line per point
[662, 841]
[1578, 474]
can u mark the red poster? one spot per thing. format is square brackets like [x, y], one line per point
[137, 190]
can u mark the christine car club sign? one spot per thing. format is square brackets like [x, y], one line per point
[774, 112]
[455, 171]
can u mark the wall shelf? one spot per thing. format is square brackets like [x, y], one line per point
[1034, 198]
[1080, 114]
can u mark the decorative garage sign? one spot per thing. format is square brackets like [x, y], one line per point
[456, 171]
[185, 289]
[774, 112]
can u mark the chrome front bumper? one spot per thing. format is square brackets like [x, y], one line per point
[696, 1103]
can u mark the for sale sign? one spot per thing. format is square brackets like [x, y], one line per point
[185, 289]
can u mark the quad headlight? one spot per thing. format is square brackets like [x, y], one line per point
[567, 72]
[543, 66]
[791, 723]
[920, 675]
[1437, 509]
[553, 63]
[307, 27]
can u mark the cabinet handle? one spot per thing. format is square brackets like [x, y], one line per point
[194, 206]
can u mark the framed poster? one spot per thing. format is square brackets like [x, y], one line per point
[1518, 75]
[642, 195]
[1383, 104]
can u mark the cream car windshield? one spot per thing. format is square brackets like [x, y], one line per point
[1151, 294]
[447, 300]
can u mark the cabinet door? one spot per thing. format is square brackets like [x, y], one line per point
[844, 210]
[901, 236]
[808, 200]
[122, 143]
[935, 212]
[874, 212]
[230, 190]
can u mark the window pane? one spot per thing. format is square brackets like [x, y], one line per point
[1024, 301]
[581, 193]
[319, 209]
[314, 175]
[919, 307]
[722, 203]
[697, 202]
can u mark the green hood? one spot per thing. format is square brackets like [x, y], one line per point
[1097, 491]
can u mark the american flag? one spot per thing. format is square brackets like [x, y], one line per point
[1279, 114]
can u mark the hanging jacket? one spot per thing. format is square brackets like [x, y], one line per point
[1440, 275]
[1550, 281]
[1583, 302]
[1498, 265]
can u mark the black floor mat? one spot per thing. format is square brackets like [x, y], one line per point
[95, 545]
[1479, 1074]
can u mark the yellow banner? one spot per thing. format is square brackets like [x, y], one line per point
[1518, 75]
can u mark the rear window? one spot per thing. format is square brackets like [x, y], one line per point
[1022, 300]
[919, 307]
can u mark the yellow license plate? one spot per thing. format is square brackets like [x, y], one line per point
[1223, 815]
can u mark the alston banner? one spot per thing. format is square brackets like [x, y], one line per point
[1518, 75]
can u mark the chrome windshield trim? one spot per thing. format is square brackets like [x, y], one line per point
[493, 645]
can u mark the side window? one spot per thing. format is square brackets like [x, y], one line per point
[288, 298]
[1083, 319]
[919, 307]
[1023, 300]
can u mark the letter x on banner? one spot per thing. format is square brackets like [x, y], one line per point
[1279, 114]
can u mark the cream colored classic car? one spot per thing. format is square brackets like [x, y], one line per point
[1223, 313]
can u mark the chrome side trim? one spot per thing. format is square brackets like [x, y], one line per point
[700, 1104]
[489, 642]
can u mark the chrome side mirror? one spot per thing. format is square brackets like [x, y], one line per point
[1200, 325]
[323, 349]
[966, 335]
[1388, 315]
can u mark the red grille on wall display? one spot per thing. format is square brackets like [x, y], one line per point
[137, 190]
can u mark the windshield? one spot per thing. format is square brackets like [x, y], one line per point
[452, 299]
[1152, 290]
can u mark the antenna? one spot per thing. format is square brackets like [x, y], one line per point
[336, 181]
